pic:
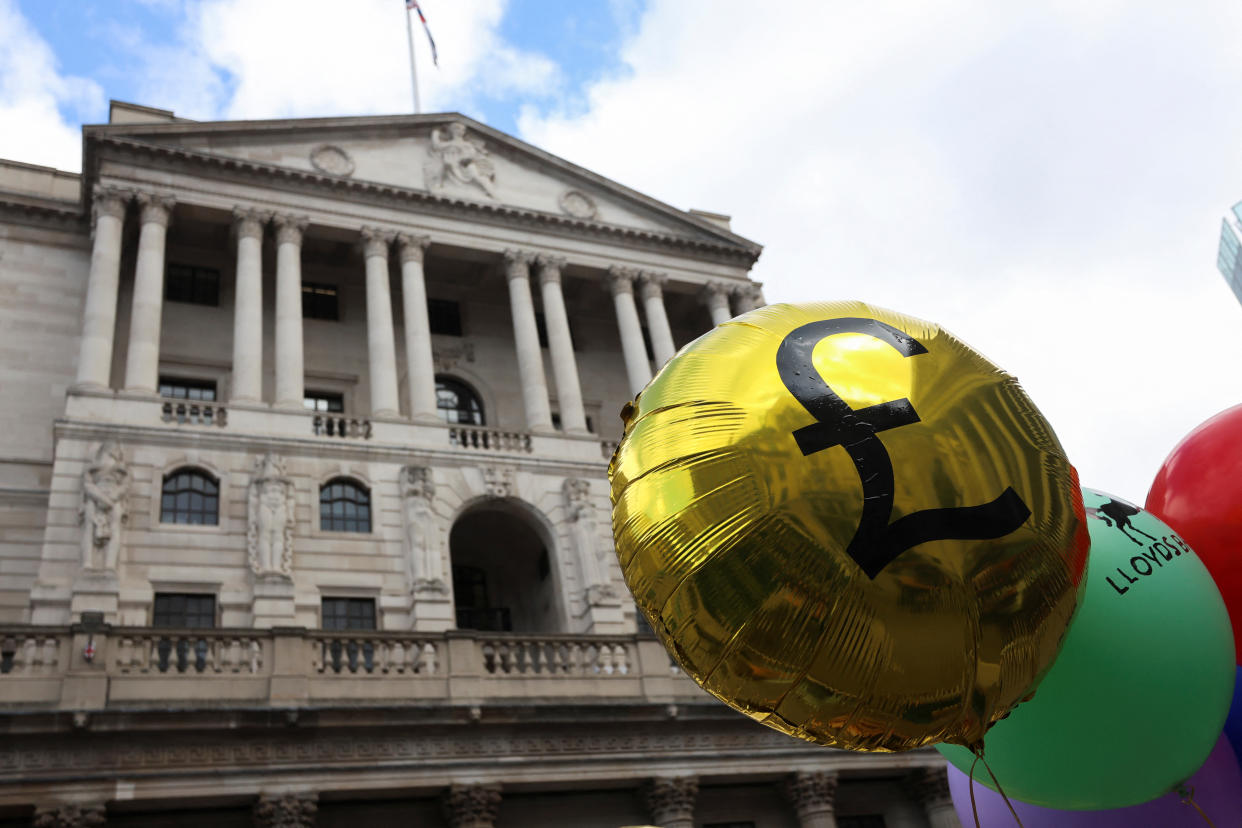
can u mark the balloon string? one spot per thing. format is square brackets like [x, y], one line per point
[999, 789]
[1187, 794]
[974, 809]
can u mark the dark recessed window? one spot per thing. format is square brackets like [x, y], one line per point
[860, 821]
[190, 496]
[556, 422]
[457, 403]
[344, 506]
[179, 388]
[324, 401]
[474, 610]
[196, 285]
[349, 613]
[319, 301]
[444, 316]
[178, 609]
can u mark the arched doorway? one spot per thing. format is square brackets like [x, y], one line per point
[502, 571]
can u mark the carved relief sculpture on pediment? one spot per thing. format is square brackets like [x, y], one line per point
[332, 160]
[270, 534]
[105, 485]
[597, 587]
[457, 159]
[578, 204]
[422, 534]
[498, 480]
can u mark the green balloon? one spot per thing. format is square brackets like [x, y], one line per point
[1138, 694]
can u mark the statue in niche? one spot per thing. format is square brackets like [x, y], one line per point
[105, 484]
[459, 159]
[421, 532]
[581, 511]
[270, 534]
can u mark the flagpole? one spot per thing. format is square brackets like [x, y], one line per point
[409, 33]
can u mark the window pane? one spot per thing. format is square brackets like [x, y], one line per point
[189, 497]
[457, 403]
[341, 503]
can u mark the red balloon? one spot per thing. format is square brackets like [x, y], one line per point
[1198, 492]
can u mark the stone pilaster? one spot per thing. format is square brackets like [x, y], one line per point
[560, 343]
[419, 359]
[814, 797]
[526, 338]
[621, 284]
[381, 343]
[142, 361]
[670, 800]
[99, 319]
[716, 296]
[291, 810]
[471, 806]
[290, 378]
[930, 786]
[657, 319]
[247, 383]
[75, 815]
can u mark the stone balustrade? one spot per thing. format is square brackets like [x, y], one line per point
[489, 439]
[195, 413]
[326, 425]
[99, 668]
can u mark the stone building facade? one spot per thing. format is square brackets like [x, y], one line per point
[303, 504]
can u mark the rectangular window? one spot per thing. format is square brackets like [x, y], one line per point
[349, 613]
[183, 610]
[196, 285]
[444, 316]
[180, 388]
[319, 301]
[324, 401]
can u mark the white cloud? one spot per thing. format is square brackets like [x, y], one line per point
[32, 93]
[1044, 181]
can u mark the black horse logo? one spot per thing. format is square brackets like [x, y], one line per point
[1119, 512]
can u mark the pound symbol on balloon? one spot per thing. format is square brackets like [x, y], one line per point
[876, 541]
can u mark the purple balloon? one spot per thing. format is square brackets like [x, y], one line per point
[1218, 791]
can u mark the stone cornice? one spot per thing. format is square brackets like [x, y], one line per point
[42, 212]
[370, 191]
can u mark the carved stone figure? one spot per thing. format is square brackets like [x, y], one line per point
[270, 534]
[460, 160]
[421, 533]
[581, 512]
[105, 484]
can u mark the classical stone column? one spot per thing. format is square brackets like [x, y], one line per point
[716, 297]
[142, 362]
[248, 307]
[930, 786]
[526, 337]
[657, 319]
[99, 319]
[471, 806]
[560, 343]
[291, 810]
[671, 800]
[814, 797]
[419, 360]
[751, 296]
[289, 371]
[381, 344]
[621, 283]
[69, 816]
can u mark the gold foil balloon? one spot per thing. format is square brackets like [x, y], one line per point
[848, 525]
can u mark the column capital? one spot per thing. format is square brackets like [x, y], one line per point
[375, 241]
[621, 279]
[652, 284]
[715, 294]
[289, 228]
[248, 222]
[930, 786]
[412, 246]
[550, 268]
[74, 815]
[291, 810]
[471, 806]
[109, 201]
[517, 264]
[156, 208]
[813, 792]
[670, 799]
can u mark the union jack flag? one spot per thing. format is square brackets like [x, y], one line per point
[413, 5]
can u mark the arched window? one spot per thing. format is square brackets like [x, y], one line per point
[344, 506]
[190, 496]
[457, 402]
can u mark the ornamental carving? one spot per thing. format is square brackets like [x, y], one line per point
[930, 786]
[498, 480]
[332, 160]
[422, 534]
[578, 204]
[447, 356]
[671, 799]
[105, 486]
[69, 816]
[459, 160]
[813, 793]
[471, 806]
[582, 524]
[269, 536]
[293, 810]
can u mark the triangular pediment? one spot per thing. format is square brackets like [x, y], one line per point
[448, 156]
